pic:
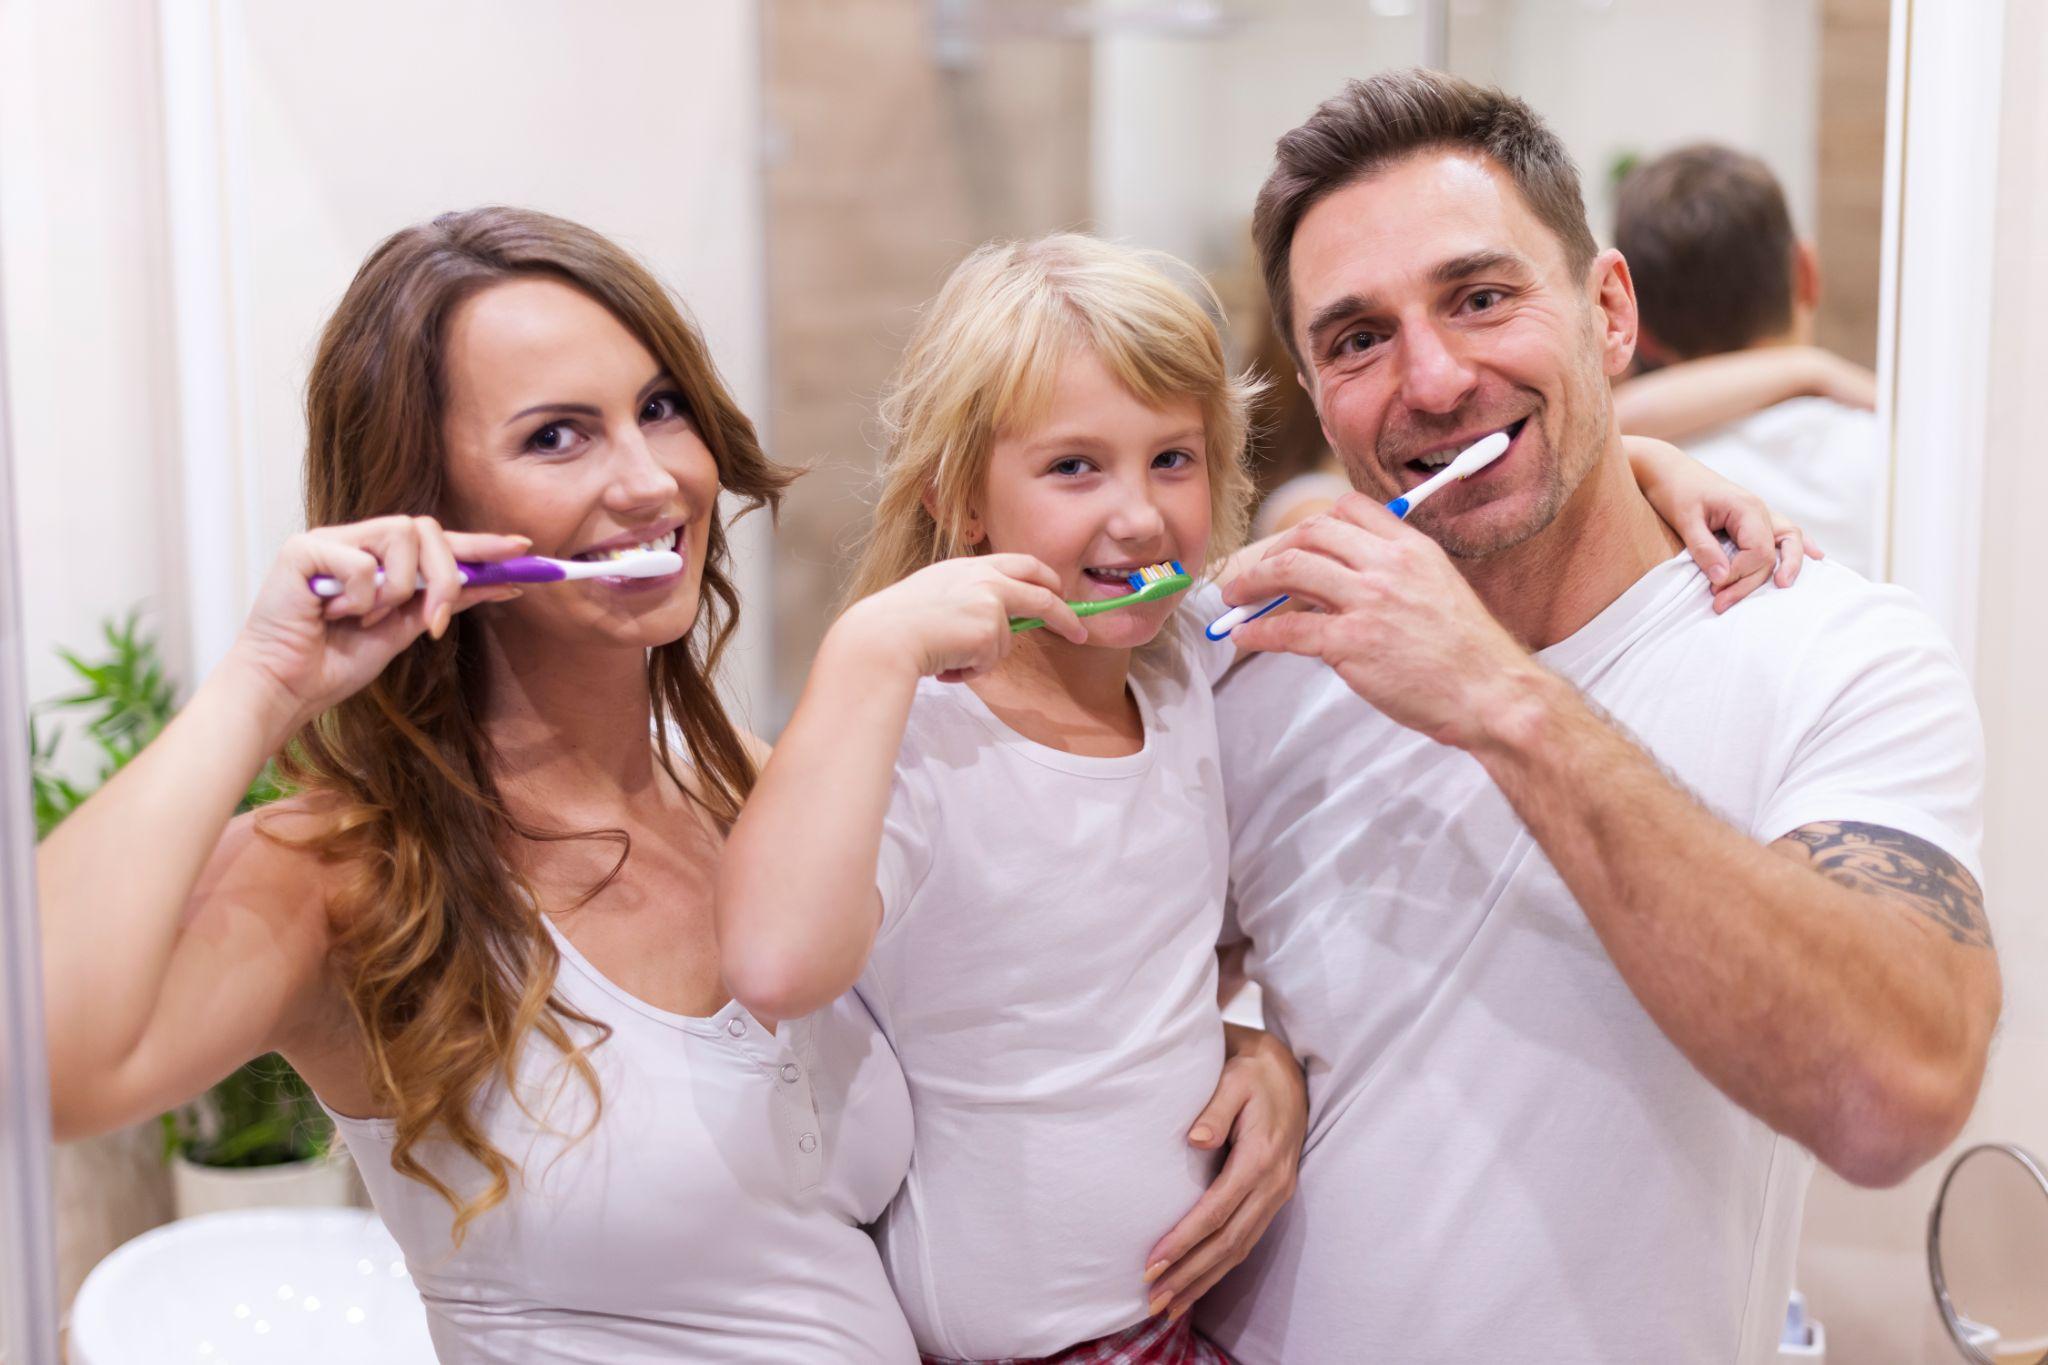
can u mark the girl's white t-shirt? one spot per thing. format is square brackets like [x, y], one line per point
[1046, 972]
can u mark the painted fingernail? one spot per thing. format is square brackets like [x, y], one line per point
[1200, 1133]
[1158, 1302]
[441, 618]
[1154, 1271]
[1178, 1310]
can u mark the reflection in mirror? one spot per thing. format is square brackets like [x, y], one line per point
[1750, 136]
[1987, 1254]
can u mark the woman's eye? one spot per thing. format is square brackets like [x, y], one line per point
[552, 439]
[664, 407]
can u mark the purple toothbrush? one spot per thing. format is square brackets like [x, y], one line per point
[535, 569]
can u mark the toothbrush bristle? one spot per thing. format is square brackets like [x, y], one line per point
[1152, 573]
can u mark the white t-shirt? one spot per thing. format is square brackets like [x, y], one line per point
[1046, 970]
[1506, 1159]
[713, 1212]
[1815, 462]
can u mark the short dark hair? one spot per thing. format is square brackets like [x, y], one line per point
[1376, 121]
[1709, 243]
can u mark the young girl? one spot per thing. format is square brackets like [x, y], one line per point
[1024, 876]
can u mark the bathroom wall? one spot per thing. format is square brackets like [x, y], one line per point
[887, 164]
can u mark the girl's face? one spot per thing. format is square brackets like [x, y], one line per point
[1103, 487]
[559, 425]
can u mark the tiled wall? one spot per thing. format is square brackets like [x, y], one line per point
[1854, 39]
[886, 166]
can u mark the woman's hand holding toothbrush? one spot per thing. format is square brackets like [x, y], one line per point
[304, 653]
[951, 620]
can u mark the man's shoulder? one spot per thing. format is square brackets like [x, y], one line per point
[1835, 605]
[1830, 633]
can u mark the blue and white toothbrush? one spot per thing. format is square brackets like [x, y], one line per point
[1470, 461]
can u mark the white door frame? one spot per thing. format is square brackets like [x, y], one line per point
[1934, 318]
[28, 1242]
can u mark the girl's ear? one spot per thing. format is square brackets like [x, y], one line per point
[970, 528]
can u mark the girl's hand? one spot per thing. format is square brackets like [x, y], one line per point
[311, 652]
[1261, 1105]
[1696, 503]
[951, 620]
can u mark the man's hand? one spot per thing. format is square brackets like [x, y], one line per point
[1261, 1106]
[1397, 621]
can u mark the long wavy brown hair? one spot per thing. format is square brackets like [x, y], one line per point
[447, 965]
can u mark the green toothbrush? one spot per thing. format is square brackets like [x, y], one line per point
[1147, 585]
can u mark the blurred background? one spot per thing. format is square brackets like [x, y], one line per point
[186, 189]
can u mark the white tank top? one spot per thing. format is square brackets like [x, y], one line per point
[712, 1214]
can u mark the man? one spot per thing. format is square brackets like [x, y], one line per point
[1591, 912]
[1718, 272]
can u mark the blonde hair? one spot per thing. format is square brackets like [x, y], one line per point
[984, 359]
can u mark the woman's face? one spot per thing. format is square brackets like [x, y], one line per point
[561, 426]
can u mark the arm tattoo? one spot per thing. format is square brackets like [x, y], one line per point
[1900, 867]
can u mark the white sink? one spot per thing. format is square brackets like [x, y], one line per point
[252, 1286]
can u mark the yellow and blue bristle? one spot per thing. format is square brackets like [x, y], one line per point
[1152, 574]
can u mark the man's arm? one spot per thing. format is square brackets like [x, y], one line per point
[1839, 983]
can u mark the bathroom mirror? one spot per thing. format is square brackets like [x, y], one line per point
[1987, 1255]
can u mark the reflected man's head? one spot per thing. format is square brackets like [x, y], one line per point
[1426, 253]
[1716, 265]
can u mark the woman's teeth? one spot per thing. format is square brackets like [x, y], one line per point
[667, 542]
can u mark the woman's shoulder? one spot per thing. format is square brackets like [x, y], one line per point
[274, 859]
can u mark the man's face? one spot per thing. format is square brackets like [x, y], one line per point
[1431, 307]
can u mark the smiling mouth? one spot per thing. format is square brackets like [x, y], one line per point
[1117, 577]
[1426, 465]
[672, 541]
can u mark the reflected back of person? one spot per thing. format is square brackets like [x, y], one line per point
[1727, 295]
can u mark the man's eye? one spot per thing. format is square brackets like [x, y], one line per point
[1483, 299]
[1356, 343]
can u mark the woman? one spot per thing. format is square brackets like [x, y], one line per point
[483, 929]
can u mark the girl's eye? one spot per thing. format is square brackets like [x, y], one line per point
[1070, 467]
[665, 407]
[1172, 459]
